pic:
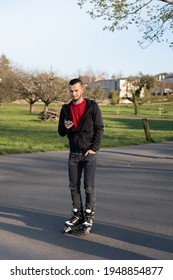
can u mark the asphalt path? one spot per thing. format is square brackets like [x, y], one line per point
[134, 212]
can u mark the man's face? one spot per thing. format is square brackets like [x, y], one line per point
[76, 91]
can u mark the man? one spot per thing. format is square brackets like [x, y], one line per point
[82, 122]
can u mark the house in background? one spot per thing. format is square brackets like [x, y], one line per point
[119, 85]
[164, 86]
[111, 85]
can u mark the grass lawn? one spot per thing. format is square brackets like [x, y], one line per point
[22, 132]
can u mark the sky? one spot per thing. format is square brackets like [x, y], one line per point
[58, 36]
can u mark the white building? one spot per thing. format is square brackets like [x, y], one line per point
[111, 85]
[106, 85]
[123, 87]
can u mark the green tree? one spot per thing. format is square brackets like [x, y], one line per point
[114, 97]
[8, 81]
[154, 18]
[137, 90]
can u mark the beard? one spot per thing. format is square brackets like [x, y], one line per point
[77, 99]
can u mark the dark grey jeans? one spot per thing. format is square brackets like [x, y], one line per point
[78, 164]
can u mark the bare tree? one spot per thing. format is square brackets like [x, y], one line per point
[51, 88]
[97, 94]
[28, 89]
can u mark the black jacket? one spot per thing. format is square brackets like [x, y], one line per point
[90, 131]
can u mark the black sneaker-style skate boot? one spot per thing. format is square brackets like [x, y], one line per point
[75, 221]
[88, 220]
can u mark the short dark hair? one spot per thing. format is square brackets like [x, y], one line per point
[75, 81]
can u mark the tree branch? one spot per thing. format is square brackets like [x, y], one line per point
[167, 1]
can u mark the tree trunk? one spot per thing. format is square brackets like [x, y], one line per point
[45, 107]
[136, 108]
[147, 130]
[31, 108]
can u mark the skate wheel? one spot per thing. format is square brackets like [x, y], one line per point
[87, 230]
[67, 230]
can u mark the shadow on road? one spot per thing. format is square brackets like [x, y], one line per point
[48, 229]
[150, 151]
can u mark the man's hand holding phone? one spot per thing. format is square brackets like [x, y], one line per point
[68, 124]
